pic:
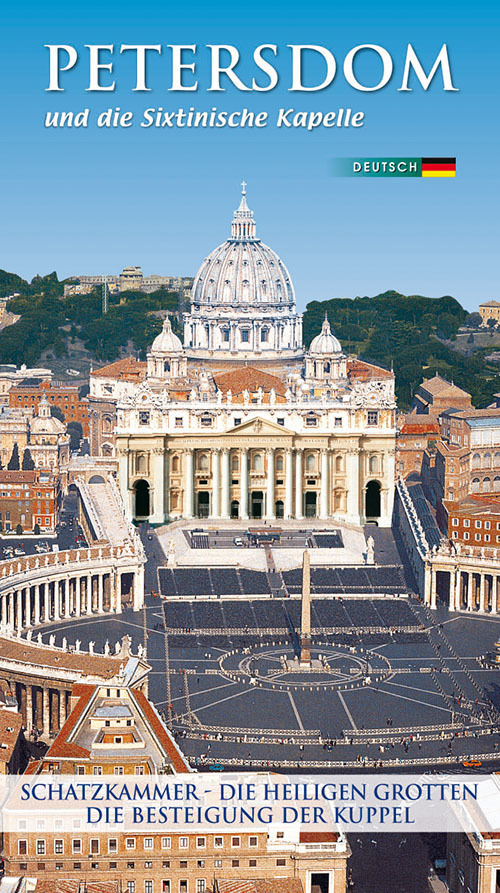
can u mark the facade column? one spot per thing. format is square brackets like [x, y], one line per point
[298, 484]
[123, 480]
[216, 483]
[353, 507]
[225, 507]
[138, 588]
[158, 516]
[323, 499]
[10, 610]
[27, 606]
[188, 484]
[244, 484]
[495, 597]
[100, 594]
[46, 712]
[270, 512]
[288, 483]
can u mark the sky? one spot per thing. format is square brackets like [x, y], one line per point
[89, 200]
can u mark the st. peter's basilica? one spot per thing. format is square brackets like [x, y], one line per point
[240, 421]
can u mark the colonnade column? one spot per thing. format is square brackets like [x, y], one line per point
[19, 611]
[62, 708]
[225, 508]
[216, 483]
[427, 583]
[323, 499]
[270, 513]
[100, 594]
[29, 708]
[288, 483]
[57, 613]
[46, 602]
[470, 581]
[123, 479]
[188, 484]
[453, 591]
[244, 484]
[433, 587]
[482, 591]
[298, 484]
[27, 606]
[67, 598]
[78, 597]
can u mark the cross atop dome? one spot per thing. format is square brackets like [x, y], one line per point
[243, 225]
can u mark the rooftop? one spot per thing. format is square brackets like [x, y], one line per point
[128, 369]
[10, 729]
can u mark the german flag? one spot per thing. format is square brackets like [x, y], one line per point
[439, 167]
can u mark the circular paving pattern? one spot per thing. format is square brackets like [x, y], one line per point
[277, 666]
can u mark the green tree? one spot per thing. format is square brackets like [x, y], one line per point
[13, 463]
[28, 461]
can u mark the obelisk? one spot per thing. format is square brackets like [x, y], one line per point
[305, 625]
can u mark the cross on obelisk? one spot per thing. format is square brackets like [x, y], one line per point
[305, 625]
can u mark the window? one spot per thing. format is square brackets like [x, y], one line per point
[372, 417]
[478, 537]
[183, 863]
[130, 886]
[59, 866]
[166, 843]
[148, 843]
[237, 422]
[148, 865]
[22, 847]
[201, 885]
[200, 863]
[280, 862]
[245, 336]
[454, 534]
[130, 843]
[77, 866]
[487, 525]
[466, 522]
[253, 841]
[77, 846]
[183, 886]
[166, 864]
[58, 847]
[80, 770]
[201, 841]
[338, 421]
[118, 769]
[252, 863]
[113, 865]
[144, 418]
[235, 863]
[40, 848]
[130, 864]
[112, 845]
[97, 770]
[478, 525]
[280, 835]
[218, 863]
[235, 841]
[206, 421]
[454, 522]
[258, 462]
[311, 421]
[165, 886]
[281, 422]
[218, 841]
[178, 421]
[486, 537]
[466, 536]
[183, 843]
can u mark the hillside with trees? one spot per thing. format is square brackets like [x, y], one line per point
[51, 322]
[407, 333]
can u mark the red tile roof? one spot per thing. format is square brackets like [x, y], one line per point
[162, 734]
[260, 885]
[318, 836]
[128, 369]
[248, 378]
[61, 747]
[425, 427]
[358, 370]
[10, 729]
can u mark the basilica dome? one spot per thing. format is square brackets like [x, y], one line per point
[167, 341]
[325, 343]
[243, 271]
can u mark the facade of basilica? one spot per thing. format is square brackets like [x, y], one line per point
[240, 421]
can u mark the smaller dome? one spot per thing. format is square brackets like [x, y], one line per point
[166, 341]
[325, 342]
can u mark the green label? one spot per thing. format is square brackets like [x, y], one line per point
[377, 167]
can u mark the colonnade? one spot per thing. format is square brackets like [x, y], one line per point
[470, 589]
[43, 706]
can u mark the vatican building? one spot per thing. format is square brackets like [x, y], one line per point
[239, 420]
